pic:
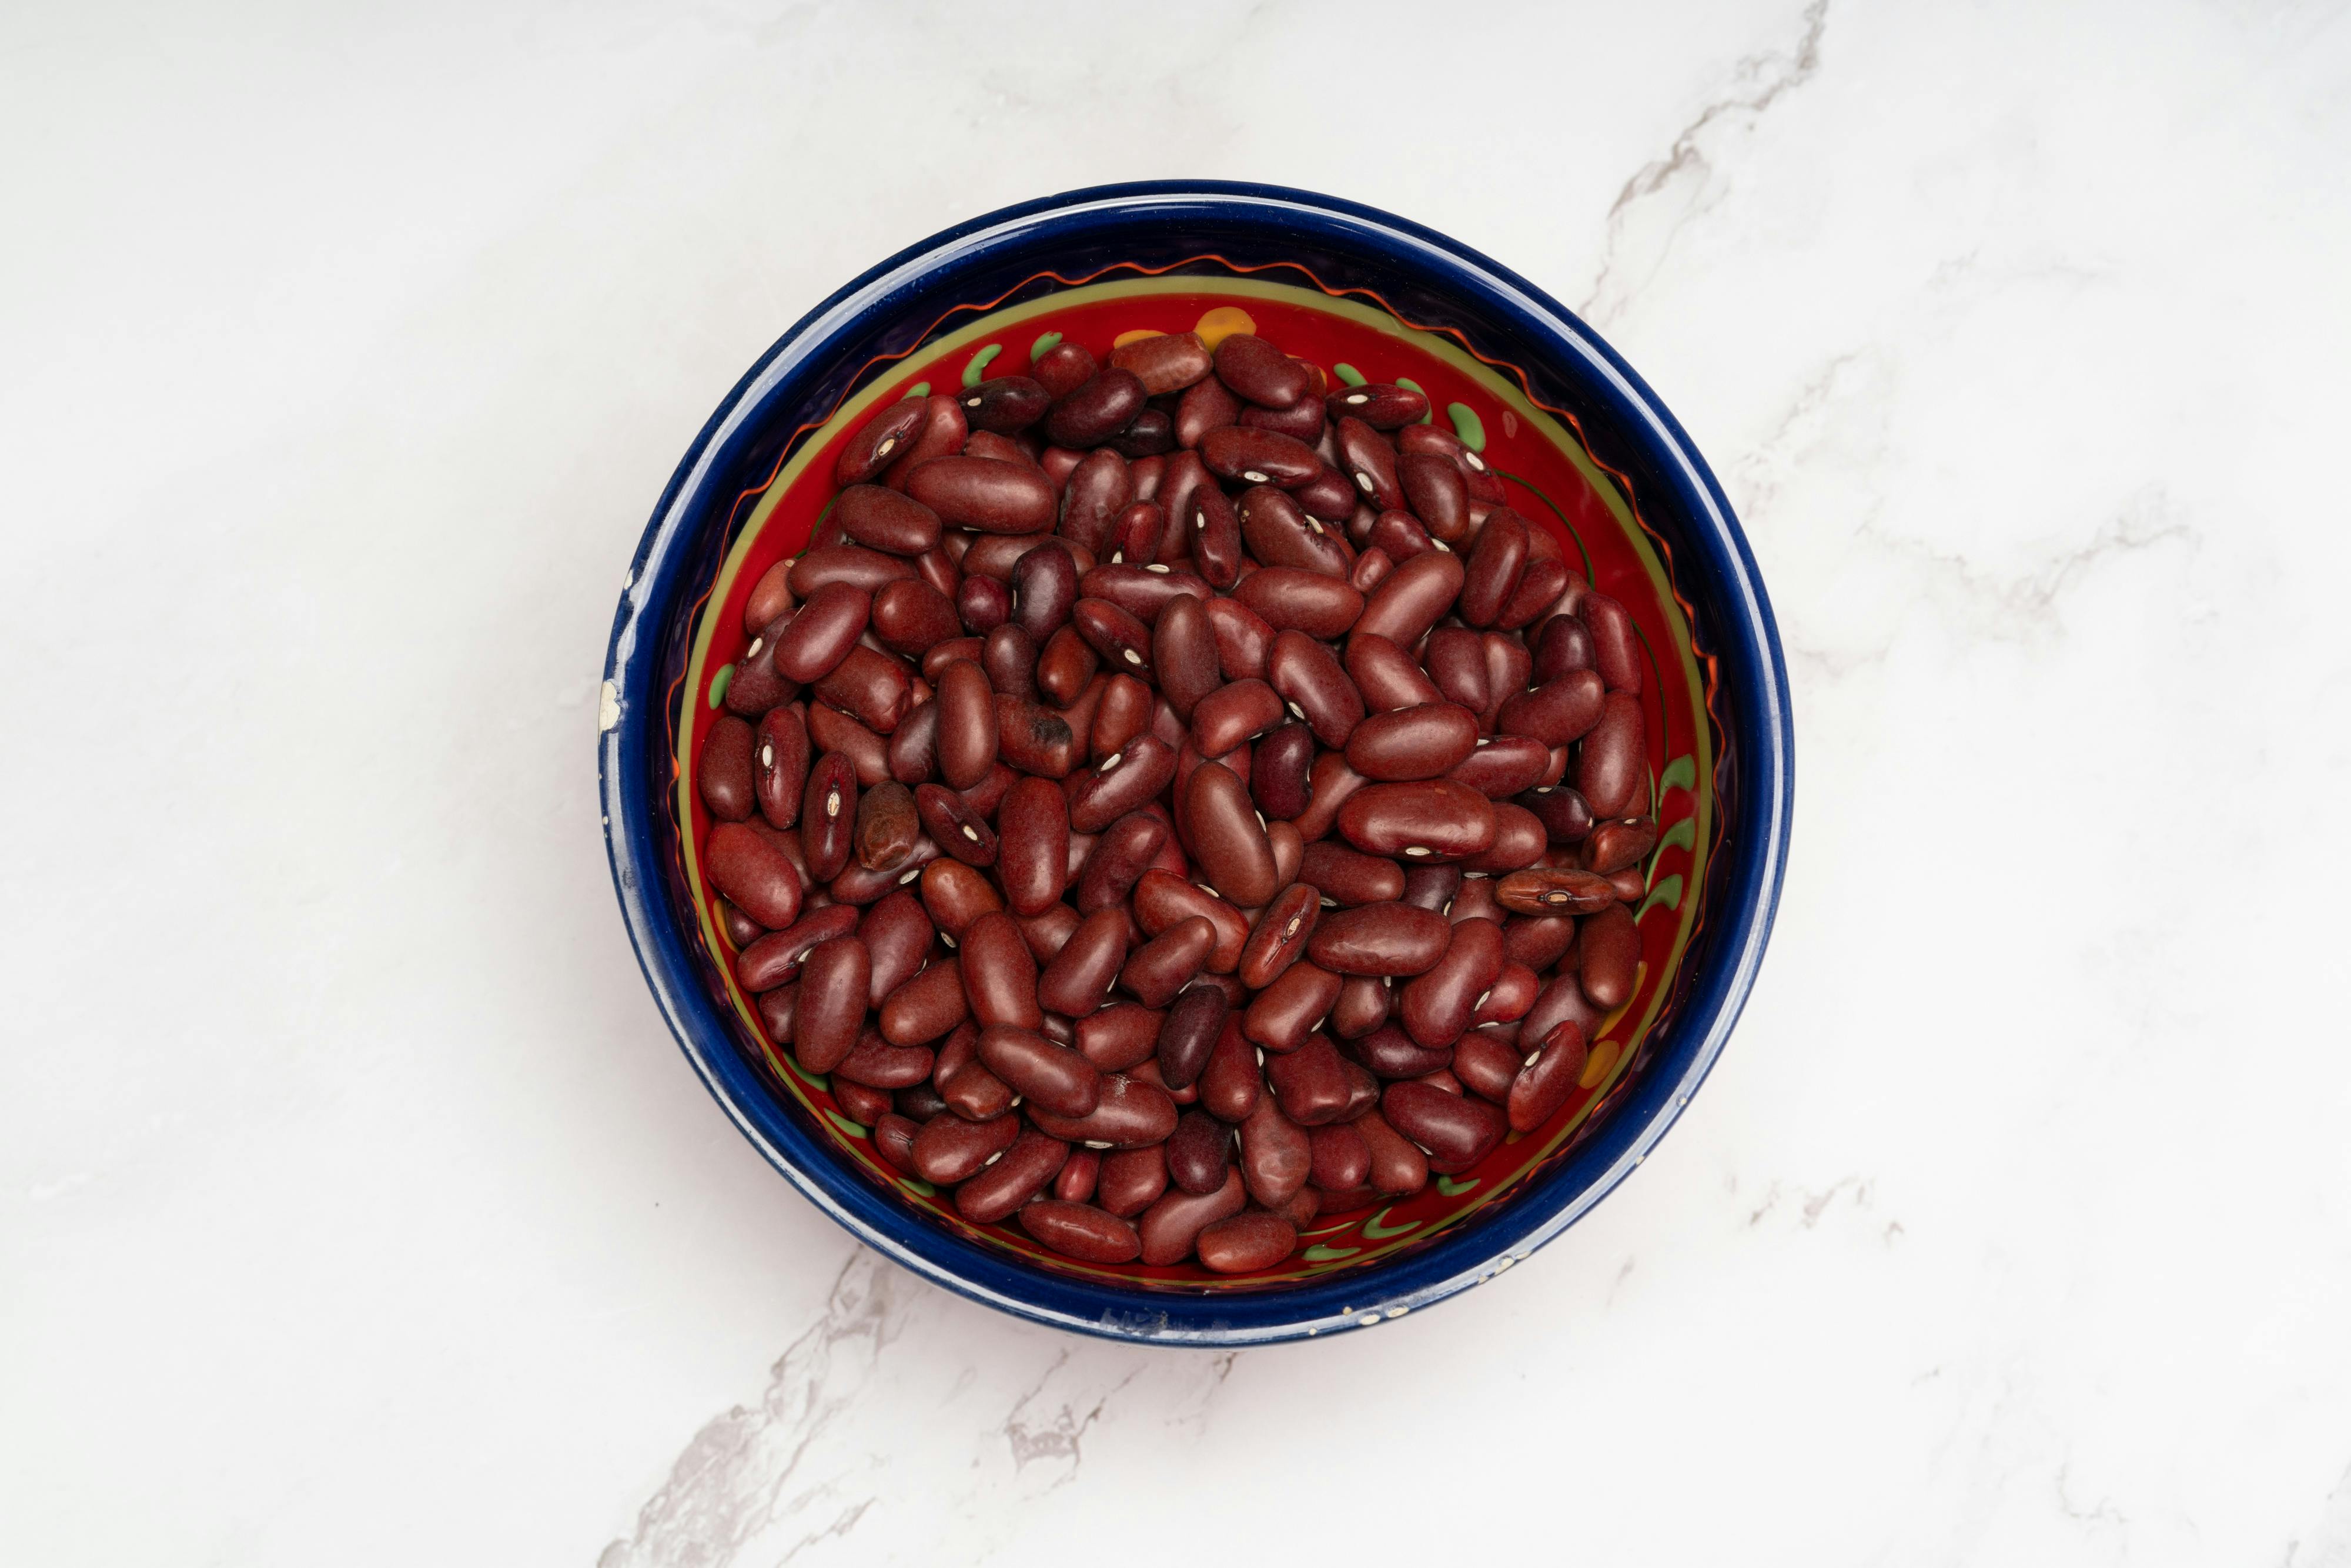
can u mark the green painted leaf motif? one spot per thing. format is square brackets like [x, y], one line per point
[1045, 344]
[855, 1129]
[1318, 1254]
[719, 683]
[1684, 832]
[1430, 417]
[813, 1079]
[1667, 893]
[976, 371]
[1467, 425]
[916, 1184]
[920, 388]
[1348, 374]
[1452, 1188]
[1682, 772]
[1376, 1230]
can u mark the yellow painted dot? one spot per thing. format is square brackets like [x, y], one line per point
[1140, 333]
[1224, 321]
[1599, 1064]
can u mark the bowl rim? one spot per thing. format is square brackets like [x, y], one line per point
[1757, 720]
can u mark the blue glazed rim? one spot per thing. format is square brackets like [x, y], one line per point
[888, 308]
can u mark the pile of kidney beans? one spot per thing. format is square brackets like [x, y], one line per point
[1173, 798]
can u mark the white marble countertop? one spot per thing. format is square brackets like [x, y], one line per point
[355, 1206]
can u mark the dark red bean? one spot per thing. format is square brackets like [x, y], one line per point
[1143, 591]
[1184, 653]
[1396, 537]
[999, 974]
[740, 928]
[1554, 890]
[1565, 815]
[1065, 367]
[1171, 1226]
[1350, 877]
[1302, 420]
[775, 959]
[911, 618]
[1310, 1084]
[880, 519]
[1080, 977]
[955, 896]
[897, 933]
[1456, 658]
[1519, 842]
[1502, 766]
[1005, 403]
[879, 1065]
[911, 754]
[1199, 1152]
[966, 723]
[1546, 1080]
[1261, 372]
[1618, 845]
[851, 566]
[1013, 1178]
[1495, 565]
[1154, 972]
[723, 770]
[952, 824]
[984, 604]
[828, 816]
[1163, 899]
[1052, 1077]
[1423, 742]
[1215, 530]
[754, 873]
[1131, 1180]
[1065, 667]
[1292, 1007]
[1433, 487]
[944, 432]
[831, 1003]
[879, 440]
[1615, 652]
[1168, 363]
[1432, 819]
[1317, 691]
[1609, 953]
[894, 1140]
[1388, 1051]
[1099, 488]
[887, 826]
[1274, 1153]
[1486, 1066]
[1246, 1243]
[1280, 936]
[1385, 939]
[1611, 771]
[1230, 1083]
[1433, 888]
[1098, 408]
[1288, 599]
[1244, 640]
[949, 1149]
[1081, 1173]
[1238, 711]
[1080, 1230]
[1411, 599]
[982, 493]
[1188, 1034]
[1132, 1114]
[1557, 712]
[770, 599]
[1457, 1132]
[925, 1007]
[1278, 532]
[1220, 827]
[1257, 457]
[872, 687]
[1369, 463]
[1562, 645]
[1033, 737]
[1278, 773]
[1437, 1007]
[1338, 1157]
[1207, 404]
[1119, 1037]
[1398, 1166]
[1123, 641]
[1382, 405]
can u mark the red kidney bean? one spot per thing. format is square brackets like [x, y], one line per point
[1294, 1004]
[1005, 403]
[911, 754]
[1411, 599]
[1369, 463]
[1080, 977]
[1238, 711]
[955, 896]
[1338, 1158]
[1184, 653]
[1629, 883]
[942, 432]
[758, 685]
[1280, 936]
[1611, 773]
[878, 1064]
[1098, 490]
[759, 877]
[1546, 1080]
[1154, 972]
[1065, 667]
[1014, 1176]
[1229, 1085]
[1302, 420]
[1350, 877]
[1437, 1007]
[1557, 712]
[925, 1007]
[872, 687]
[831, 1003]
[1080, 1230]
[1034, 739]
[1609, 949]
[1119, 1037]
[740, 928]
[1561, 999]
[1257, 457]
[1435, 491]
[1243, 639]
[1123, 641]
[1310, 1084]
[911, 618]
[1214, 528]
[1221, 829]
[1274, 1153]
[999, 974]
[1052, 1077]
[1095, 410]
[775, 959]
[1131, 1180]
[723, 770]
[770, 599]
[1199, 1152]
[1044, 589]
[1081, 1173]
[1502, 766]
[1171, 1226]
[1615, 846]
[1431, 818]
[1564, 814]
[1119, 858]
[1486, 1066]
[920, 1102]
[1168, 363]
[1008, 659]
[1395, 536]
[1385, 939]
[1554, 890]
[1456, 1131]
[983, 603]
[879, 440]
[828, 817]
[1063, 369]
[886, 828]
[882, 519]
[1125, 780]
[1513, 994]
[1457, 666]
[949, 1149]
[894, 1140]
[1189, 1033]
[897, 933]
[1288, 599]
[1278, 532]
[1256, 370]
[1132, 1113]
[1387, 1051]
[1278, 775]
[1317, 691]
[1382, 405]
[1397, 1165]
[1423, 742]
[1561, 644]
[985, 494]
[966, 723]
[1205, 405]
[1433, 888]
[1135, 534]
[1246, 1243]
[1123, 714]
[1163, 899]
[1518, 842]
[1615, 653]
[848, 566]
[1495, 566]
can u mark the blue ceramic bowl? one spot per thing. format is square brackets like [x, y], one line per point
[1577, 419]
